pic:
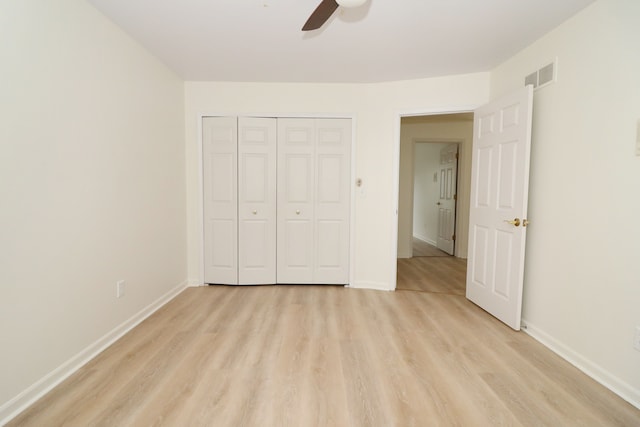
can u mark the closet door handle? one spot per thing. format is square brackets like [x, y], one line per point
[255, 212]
[297, 212]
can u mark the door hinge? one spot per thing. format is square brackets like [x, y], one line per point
[456, 156]
[455, 197]
[453, 237]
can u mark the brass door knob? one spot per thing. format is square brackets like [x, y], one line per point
[515, 221]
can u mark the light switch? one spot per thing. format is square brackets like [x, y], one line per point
[361, 191]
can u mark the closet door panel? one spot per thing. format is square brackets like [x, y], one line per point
[256, 262]
[257, 201]
[295, 258]
[329, 244]
[219, 146]
[332, 204]
[297, 251]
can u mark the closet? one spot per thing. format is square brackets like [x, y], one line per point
[276, 200]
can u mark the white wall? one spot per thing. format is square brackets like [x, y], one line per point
[426, 190]
[92, 185]
[434, 128]
[582, 279]
[376, 109]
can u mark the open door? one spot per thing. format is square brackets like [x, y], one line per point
[498, 208]
[447, 198]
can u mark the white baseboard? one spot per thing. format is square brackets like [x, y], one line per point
[193, 283]
[15, 406]
[378, 286]
[607, 379]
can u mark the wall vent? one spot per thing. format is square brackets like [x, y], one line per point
[542, 77]
[531, 79]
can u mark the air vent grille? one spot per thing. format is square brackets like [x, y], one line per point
[531, 79]
[542, 77]
[545, 74]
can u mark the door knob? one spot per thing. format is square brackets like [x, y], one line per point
[515, 221]
[255, 212]
[438, 203]
[297, 212]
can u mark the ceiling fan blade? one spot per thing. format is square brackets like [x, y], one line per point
[319, 16]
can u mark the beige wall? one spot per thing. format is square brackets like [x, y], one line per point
[582, 278]
[91, 185]
[434, 128]
[376, 109]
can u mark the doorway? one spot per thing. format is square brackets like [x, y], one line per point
[496, 199]
[424, 218]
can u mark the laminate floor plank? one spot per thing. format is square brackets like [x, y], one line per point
[421, 248]
[591, 397]
[432, 274]
[101, 378]
[328, 356]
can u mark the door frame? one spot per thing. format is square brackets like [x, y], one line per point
[396, 174]
[200, 189]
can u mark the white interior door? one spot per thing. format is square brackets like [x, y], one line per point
[220, 149]
[333, 195]
[498, 208]
[447, 198]
[296, 195]
[256, 201]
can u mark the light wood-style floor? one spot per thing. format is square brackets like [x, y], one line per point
[326, 356]
[445, 275]
[422, 248]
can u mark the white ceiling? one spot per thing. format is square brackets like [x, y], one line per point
[384, 40]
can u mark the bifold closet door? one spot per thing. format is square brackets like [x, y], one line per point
[332, 201]
[296, 150]
[313, 200]
[220, 168]
[256, 201]
[239, 200]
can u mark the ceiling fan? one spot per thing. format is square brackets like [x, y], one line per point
[324, 11]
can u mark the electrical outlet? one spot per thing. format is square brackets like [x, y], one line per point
[636, 339]
[120, 288]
